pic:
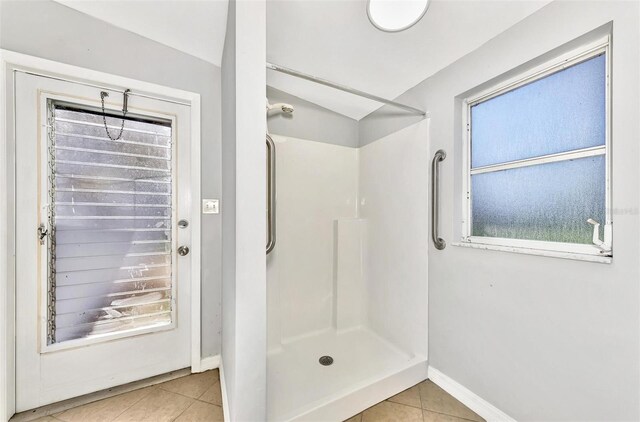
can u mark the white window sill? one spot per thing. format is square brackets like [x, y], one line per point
[540, 252]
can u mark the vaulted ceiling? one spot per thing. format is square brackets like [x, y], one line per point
[196, 27]
[331, 39]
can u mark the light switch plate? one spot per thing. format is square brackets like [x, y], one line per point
[210, 206]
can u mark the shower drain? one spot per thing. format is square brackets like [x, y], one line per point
[325, 360]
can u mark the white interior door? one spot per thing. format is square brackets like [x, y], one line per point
[103, 296]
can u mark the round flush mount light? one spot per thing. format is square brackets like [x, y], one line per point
[396, 15]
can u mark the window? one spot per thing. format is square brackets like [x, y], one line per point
[537, 161]
[110, 248]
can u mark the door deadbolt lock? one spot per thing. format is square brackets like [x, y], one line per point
[183, 250]
[183, 224]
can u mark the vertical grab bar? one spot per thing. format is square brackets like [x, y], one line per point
[271, 194]
[435, 198]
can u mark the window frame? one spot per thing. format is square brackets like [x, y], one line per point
[577, 251]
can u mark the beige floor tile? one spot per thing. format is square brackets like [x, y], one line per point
[437, 400]
[410, 397]
[392, 412]
[193, 385]
[201, 412]
[160, 406]
[356, 418]
[46, 419]
[105, 410]
[213, 395]
[439, 417]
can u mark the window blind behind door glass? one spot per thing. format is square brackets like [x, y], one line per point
[112, 243]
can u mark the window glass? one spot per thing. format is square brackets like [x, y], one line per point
[547, 202]
[561, 112]
[111, 243]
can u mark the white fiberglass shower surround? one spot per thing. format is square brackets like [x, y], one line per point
[347, 278]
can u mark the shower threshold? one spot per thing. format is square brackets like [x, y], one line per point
[366, 369]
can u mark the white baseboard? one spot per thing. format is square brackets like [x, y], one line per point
[474, 402]
[225, 399]
[211, 362]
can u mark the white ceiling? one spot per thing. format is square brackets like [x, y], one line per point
[333, 39]
[196, 27]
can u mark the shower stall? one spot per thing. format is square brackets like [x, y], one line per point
[346, 272]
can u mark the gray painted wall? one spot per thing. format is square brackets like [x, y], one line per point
[50, 30]
[310, 121]
[540, 338]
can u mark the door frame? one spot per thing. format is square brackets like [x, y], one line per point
[10, 62]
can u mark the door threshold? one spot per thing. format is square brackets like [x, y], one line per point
[55, 408]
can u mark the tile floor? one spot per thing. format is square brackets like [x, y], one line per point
[193, 398]
[425, 402]
[197, 397]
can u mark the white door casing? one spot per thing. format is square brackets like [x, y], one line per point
[47, 374]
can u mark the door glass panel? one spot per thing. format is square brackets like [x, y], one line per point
[562, 112]
[110, 266]
[550, 202]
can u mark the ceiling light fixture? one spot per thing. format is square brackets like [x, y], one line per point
[396, 15]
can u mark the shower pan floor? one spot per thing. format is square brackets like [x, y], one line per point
[298, 384]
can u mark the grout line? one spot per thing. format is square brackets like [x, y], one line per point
[408, 405]
[189, 397]
[179, 394]
[453, 416]
[188, 407]
[180, 414]
[429, 410]
[202, 401]
[449, 414]
[136, 402]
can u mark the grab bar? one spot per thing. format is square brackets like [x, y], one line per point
[435, 198]
[271, 194]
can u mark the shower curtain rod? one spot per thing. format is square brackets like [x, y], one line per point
[344, 88]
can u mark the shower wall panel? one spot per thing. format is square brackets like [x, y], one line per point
[349, 286]
[393, 192]
[317, 184]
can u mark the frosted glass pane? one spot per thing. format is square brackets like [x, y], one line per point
[113, 202]
[549, 202]
[561, 112]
